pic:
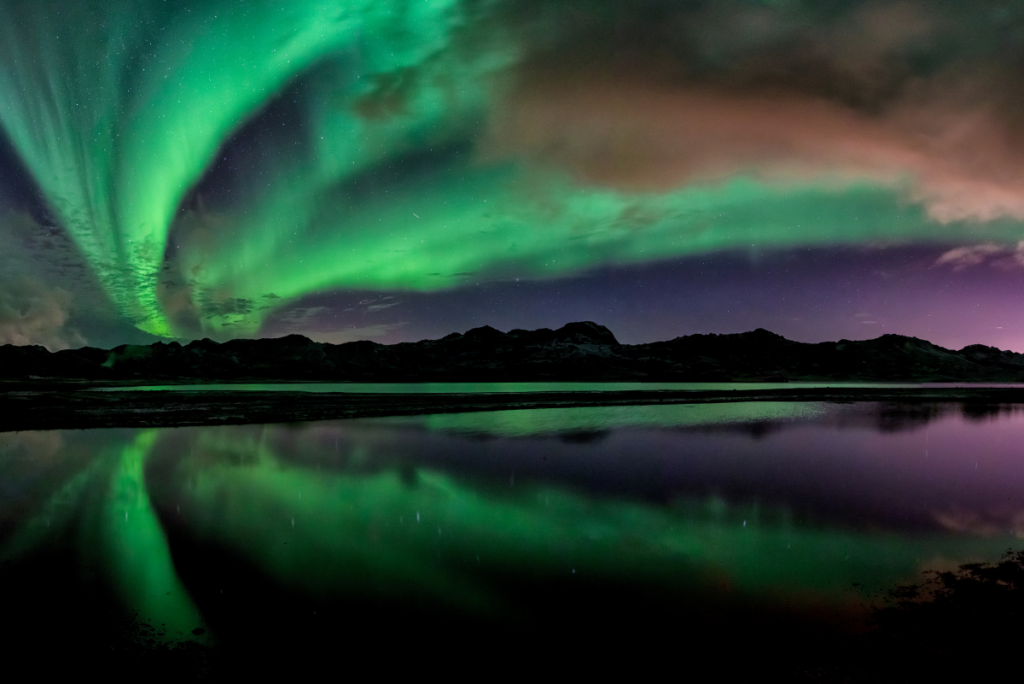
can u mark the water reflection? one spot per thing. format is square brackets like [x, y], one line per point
[506, 387]
[85, 493]
[515, 517]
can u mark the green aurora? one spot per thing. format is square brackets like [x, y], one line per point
[332, 510]
[400, 170]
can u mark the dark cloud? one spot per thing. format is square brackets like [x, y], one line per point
[214, 306]
[49, 295]
[919, 96]
[300, 317]
[1006, 257]
[33, 313]
[922, 96]
[381, 307]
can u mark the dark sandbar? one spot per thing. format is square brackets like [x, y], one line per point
[22, 408]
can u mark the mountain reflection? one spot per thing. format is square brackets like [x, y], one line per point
[717, 504]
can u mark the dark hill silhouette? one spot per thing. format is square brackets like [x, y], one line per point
[577, 351]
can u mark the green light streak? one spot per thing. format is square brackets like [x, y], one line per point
[366, 534]
[535, 422]
[137, 559]
[492, 224]
[56, 515]
[106, 507]
[119, 107]
[361, 520]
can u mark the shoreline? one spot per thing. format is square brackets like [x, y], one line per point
[64, 409]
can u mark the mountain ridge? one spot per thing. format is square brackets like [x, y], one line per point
[580, 351]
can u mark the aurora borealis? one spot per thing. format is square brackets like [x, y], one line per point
[420, 510]
[393, 170]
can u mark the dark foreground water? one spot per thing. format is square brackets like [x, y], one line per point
[523, 387]
[748, 535]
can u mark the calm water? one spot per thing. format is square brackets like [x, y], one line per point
[502, 387]
[391, 531]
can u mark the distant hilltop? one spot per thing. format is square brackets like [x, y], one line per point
[575, 352]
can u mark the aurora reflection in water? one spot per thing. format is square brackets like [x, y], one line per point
[809, 509]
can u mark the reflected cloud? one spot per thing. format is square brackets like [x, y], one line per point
[989, 523]
[419, 511]
[39, 448]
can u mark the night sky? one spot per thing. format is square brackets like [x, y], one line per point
[399, 170]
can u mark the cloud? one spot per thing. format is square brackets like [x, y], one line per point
[380, 307]
[982, 523]
[213, 307]
[374, 304]
[783, 95]
[354, 334]
[40, 448]
[301, 315]
[34, 313]
[1006, 257]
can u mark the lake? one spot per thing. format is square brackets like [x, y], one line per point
[509, 533]
[524, 387]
